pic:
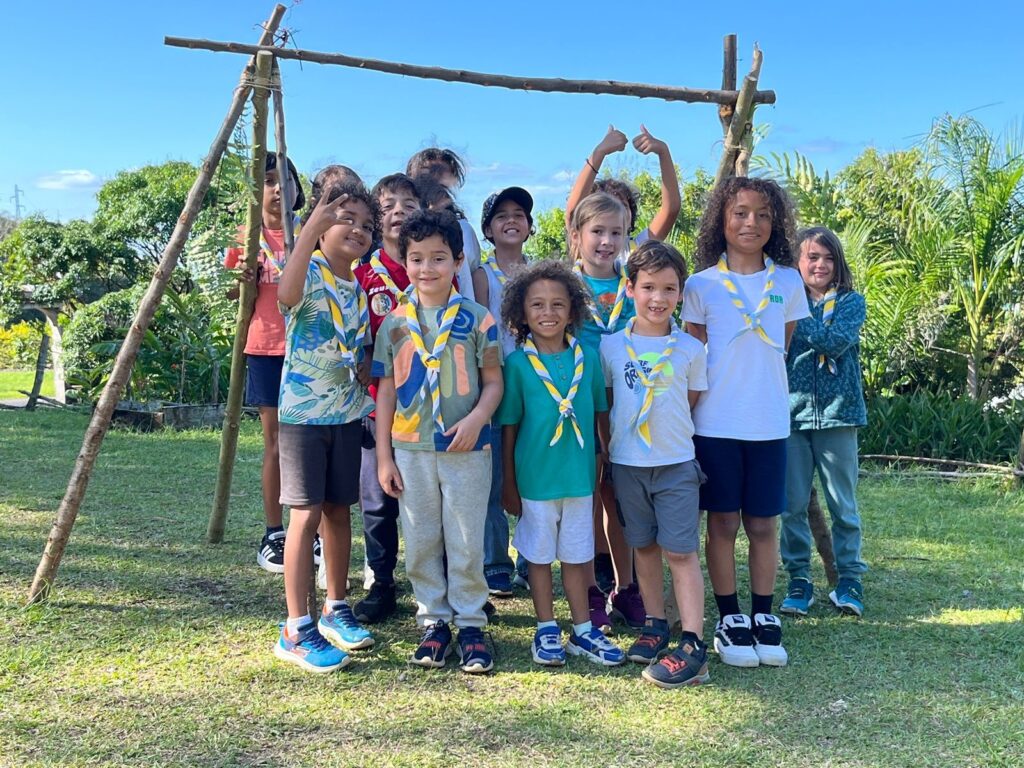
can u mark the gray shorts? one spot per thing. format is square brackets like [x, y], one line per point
[660, 504]
[320, 463]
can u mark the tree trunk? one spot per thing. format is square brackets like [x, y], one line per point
[79, 481]
[246, 300]
[822, 537]
[56, 354]
[726, 111]
[37, 383]
[740, 120]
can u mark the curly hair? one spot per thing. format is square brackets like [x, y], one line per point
[356, 192]
[513, 302]
[425, 223]
[626, 193]
[711, 238]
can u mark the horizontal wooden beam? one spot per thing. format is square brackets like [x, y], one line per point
[544, 84]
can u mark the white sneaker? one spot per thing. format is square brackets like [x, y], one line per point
[768, 640]
[321, 575]
[734, 641]
[367, 576]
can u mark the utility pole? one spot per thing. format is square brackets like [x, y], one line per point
[16, 197]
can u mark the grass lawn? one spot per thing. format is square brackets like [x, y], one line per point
[155, 647]
[12, 381]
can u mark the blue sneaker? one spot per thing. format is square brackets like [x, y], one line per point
[342, 629]
[473, 654]
[547, 647]
[799, 597]
[653, 641]
[308, 648]
[848, 597]
[499, 584]
[434, 647]
[594, 646]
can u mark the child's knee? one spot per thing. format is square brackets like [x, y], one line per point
[681, 559]
[760, 529]
[723, 525]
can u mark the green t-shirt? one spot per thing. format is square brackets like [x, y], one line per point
[563, 470]
[472, 345]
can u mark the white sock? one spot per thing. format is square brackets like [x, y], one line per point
[294, 624]
[333, 605]
[542, 624]
[582, 629]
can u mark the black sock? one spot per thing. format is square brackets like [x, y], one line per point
[274, 529]
[760, 604]
[692, 639]
[727, 604]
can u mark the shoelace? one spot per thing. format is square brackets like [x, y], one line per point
[648, 639]
[550, 641]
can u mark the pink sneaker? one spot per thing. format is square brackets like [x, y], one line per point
[627, 605]
[598, 615]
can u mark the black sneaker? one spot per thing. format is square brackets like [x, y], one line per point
[768, 640]
[318, 549]
[473, 654]
[434, 647]
[270, 555]
[604, 572]
[378, 605]
[686, 665]
[651, 644]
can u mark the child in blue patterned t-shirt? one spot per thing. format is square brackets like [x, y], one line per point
[323, 402]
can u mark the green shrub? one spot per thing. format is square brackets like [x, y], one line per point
[940, 426]
[19, 344]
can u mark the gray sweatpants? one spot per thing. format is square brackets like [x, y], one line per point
[443, 508]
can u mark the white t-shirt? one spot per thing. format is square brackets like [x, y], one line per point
[748, 394]
[470, 260]
[669, 419]
[495, 293]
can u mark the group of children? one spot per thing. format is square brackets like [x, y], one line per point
[445, 388]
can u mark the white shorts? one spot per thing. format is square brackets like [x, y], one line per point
[559, 529]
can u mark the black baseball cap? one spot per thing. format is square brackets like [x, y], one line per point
[517, 195]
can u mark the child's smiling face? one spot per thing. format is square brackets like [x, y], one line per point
[599, 241]
[431, 267]
[748, 222]
[352, 236]
[395, 207]
[817, 267]
[509, 225]
[547, 306]
[656, 296]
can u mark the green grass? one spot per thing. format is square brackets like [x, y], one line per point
[13, 381]
[155, 647]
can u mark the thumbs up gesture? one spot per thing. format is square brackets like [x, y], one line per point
[645, 143]
[613, 141]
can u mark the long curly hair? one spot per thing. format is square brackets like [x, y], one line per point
[513, 302]
[711, 238]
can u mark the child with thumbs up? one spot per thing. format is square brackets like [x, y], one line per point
[587, 183]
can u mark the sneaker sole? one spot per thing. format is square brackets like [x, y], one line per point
[548, 662]
[731, 657]
[268, 566]
[638, 659]
[699, 679]
[430, 663]
[504, 593]
[575, 650]
[476, 669]
[774, 658]
[792, 610]
[335, 639]
[291, 658]
[845, 608]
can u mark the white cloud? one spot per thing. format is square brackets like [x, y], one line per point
[564, 176]
[77, 179]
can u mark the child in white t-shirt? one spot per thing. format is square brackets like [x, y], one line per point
[744, 303]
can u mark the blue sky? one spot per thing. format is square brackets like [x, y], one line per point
[91, 88]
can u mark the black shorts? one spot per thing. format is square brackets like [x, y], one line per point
[263, 380]
[743, 475]
[320, 463]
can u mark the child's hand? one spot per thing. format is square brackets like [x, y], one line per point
[390, 478]
[326, 214]
[645, 143]
[363, 371]
[466, 431]
[613, 141]
[510, 498]
[247, 275]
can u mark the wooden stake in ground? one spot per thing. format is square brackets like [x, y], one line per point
[246, 301]
[78, 483]
[822, 537]
[740, 119]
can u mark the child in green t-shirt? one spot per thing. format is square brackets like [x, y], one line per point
[553, 391]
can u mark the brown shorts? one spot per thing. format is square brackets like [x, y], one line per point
[320, 463]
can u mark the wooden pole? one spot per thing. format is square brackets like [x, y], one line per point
[738, 124]
[544, 84]
[37, 382]
[79, 481]
[246, 301]
[725, 111]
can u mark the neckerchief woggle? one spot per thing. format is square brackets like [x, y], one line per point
[268, 252]
[650, 380]
[751, 320]
[350, 355]
[565, 409]
[826, 319]
[620, 299]
[432, 360]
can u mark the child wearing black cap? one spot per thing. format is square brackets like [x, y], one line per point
[506, 223]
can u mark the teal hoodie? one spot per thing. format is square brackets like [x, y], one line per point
[817, 399]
